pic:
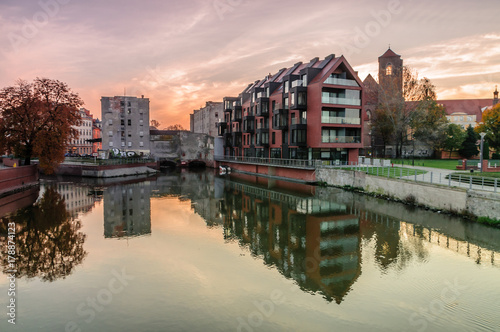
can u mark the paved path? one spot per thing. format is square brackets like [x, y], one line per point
[438, 176]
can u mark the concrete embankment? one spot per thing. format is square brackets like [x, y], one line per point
[106, 171]
[476, 202]
[15, 179]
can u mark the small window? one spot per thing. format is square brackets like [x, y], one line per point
[388, 70]
[141, 133]
[110, 122]
[123, 143]
[110, 143]
[110, 133]
[129, 144]
[129, 122]
[141, 144]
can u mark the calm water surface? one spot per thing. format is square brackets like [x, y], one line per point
[196, 252]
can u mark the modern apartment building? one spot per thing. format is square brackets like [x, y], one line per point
[125, 123]
[308, 111]
[204, 120]
[82, 145]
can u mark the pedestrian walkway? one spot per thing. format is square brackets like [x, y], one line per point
[438, 176]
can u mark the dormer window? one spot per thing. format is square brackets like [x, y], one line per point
[388, 70]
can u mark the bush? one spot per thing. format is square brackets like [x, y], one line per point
[496, 156]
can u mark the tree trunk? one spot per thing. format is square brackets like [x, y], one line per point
[27, 155]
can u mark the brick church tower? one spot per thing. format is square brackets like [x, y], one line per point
[390, 71]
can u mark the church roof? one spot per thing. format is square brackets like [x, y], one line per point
[389, 54]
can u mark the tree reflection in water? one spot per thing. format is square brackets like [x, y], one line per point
[48, 242]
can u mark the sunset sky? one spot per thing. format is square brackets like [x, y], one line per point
[183, 53]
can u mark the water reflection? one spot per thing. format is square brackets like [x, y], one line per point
[314, 241]
[48, 242]
[127, 210]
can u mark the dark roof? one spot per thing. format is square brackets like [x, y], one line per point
[389, 54]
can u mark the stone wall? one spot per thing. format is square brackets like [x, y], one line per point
[17, 178]
[478, 203]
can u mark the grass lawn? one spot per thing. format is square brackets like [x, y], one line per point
[479, 174]
[391, 172]
[436, 163]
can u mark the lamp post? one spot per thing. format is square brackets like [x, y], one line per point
[481, 153]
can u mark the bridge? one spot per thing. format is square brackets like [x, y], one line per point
[182, 148]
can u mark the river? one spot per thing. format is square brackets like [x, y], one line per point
[193, 251]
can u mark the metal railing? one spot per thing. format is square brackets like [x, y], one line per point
[416, 175]
[292, 163]
[115, 161]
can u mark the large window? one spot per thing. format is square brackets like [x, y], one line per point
[299, 136]
[276, 153]
[388, 69]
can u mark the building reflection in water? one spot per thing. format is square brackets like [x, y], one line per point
[314, 241]
[127, 210]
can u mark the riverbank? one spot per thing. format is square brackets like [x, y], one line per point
[470, 203]
[17, 179]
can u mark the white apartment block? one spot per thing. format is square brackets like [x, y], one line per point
[125, 124]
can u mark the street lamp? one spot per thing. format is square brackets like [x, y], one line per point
[481, 156]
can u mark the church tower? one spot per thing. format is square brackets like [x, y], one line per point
[390, 71]
[495, 96]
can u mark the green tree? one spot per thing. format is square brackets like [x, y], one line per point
[37, 119]
[491, 126]
[469, 146]
[455, 136]
[429, 124]
[381, 127]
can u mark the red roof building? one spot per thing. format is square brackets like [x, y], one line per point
[307, 111]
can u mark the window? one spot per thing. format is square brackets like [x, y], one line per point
[141, 133]
[129, 122]
[141, 144]
[110, 144]
[110, 122]
[388, 69]
[110, 133]
[129, 144]
[299, 136]
[123, 143]
[286, 86]
[273, 138]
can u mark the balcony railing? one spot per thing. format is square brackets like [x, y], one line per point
[297, 83]
[263, 126]
[296, 121]
[340, 101]
[291, 163]
[341, 81]
[340, 120]
[341, 139]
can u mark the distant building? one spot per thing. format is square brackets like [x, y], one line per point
[82, 144]
[204, 120]
[308, 111]
[125, 123]
[465, 112]
[96, 136]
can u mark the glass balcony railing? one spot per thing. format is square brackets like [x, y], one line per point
[341, 81]
[297, 83]
[340, 120]
[340, 101]
[263, 126]
[341, 139]
[296, 121]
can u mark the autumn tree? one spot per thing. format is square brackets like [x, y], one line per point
[381, 127]
[491, 126]
[469, 146]
[36, 119]
[455, 136]
[401, 101]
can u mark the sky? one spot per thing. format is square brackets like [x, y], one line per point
[182, 53]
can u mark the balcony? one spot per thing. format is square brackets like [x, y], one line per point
[340, 120]
[298, 123]
[263, 108]
[297, 83]
[341, 81]
[340, 101]
[263, 128]
[341, 139]
[248, 125]
[280, 121]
